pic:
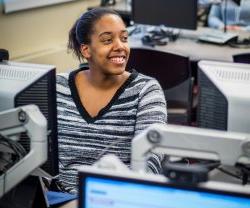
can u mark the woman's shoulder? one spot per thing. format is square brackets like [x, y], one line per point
[65, 76]
[146, 80]
[61, 75]
[62, 79]
[142, 77]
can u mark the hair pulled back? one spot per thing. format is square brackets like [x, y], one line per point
[82, 29]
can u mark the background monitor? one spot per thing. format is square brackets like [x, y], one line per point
[170, 13]
[224, 96]
[22, 84]
[98, 190]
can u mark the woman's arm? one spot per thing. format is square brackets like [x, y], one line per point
[152, 109]
[214, 17]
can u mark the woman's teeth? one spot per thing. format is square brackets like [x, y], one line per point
[118, 60]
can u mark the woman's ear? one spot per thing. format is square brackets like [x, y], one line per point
[85, 51]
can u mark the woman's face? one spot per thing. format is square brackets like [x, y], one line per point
[108, 50]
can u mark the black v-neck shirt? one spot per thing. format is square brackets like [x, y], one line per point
[84, 113]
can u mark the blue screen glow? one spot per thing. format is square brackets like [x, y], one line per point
[109, 193]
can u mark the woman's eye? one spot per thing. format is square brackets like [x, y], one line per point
[107, 41]
[124, 38]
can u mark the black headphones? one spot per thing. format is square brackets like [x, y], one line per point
[151, 40]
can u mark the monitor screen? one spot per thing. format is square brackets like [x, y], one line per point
[23, 84]
[170, 13]
[101, 191]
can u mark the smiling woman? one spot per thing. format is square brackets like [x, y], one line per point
[17, 5]
[102, 106]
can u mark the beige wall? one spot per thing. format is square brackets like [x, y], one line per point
[40, 35]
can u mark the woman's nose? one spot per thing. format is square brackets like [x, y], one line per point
[118, 44]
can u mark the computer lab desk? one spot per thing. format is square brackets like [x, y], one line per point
[188, 45]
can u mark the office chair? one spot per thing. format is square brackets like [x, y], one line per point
[242, 58]
[174, 75]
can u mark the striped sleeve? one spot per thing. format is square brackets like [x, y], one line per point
[152, 109]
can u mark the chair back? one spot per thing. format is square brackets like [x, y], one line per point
[173, 72]
[169, 69]
[242, 58]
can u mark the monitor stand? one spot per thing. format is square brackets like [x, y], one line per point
[28, 194]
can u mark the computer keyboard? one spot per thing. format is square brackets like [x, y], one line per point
[217, 37]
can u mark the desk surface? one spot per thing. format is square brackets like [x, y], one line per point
[187, 44]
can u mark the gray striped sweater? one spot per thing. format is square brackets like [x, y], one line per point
[82, 139]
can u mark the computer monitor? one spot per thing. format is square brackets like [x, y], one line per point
[23, 84]
[170, 13]
[224, 96]
[104, 189]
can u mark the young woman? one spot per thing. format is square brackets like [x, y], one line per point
[102, 106]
